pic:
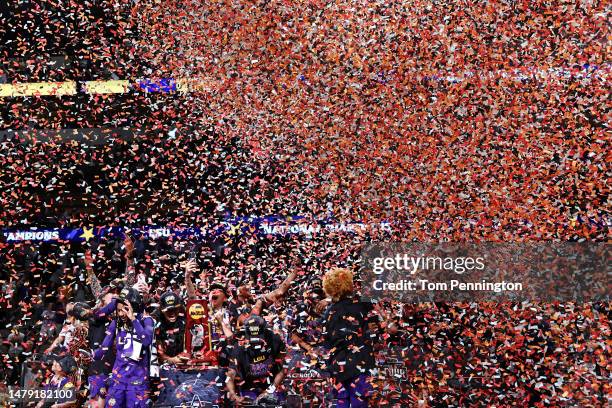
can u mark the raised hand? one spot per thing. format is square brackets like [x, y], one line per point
[190, 267]
[129, 246]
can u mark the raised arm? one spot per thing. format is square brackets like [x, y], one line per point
[106, 310]
[144, 330]
[59, 339]
[130, 271]
[190, 267]
[283, 288]
[92, 279]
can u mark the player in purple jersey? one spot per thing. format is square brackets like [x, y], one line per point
[130, 335]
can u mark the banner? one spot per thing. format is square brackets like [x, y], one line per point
[106, 87]
[184, 85]
[233, 226]
[38, 89]
[273, 226]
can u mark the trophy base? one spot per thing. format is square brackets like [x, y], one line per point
[200, 360]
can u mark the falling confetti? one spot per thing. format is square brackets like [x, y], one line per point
[453, 122]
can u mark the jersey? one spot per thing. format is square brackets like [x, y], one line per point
[257, 365]
[132, 359]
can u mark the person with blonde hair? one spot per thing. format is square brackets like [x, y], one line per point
[348, 333]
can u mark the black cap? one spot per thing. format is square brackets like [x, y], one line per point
[49, 358]
[80, 310]
[68, 364]
[254, 327]
[169, 300]
[132, 296]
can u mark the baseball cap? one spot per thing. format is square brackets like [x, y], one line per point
[169, 300]
[68, 364]
[80, 310]
[254, 327]
[132, 296]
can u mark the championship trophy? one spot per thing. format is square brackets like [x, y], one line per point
[198, 339]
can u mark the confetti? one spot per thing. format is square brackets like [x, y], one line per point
[465, 122]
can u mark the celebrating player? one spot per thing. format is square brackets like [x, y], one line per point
[130, 335]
